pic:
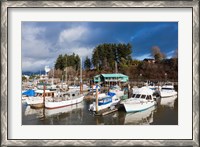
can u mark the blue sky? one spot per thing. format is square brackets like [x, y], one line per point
[42, 42]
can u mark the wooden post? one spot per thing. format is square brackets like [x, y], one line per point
[81, 88]
[44, 94]
[96, 99]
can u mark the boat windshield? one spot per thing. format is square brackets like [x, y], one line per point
[137, 96]
[66, 95]
[133, 95]
[167, 88]
[143, 96]
[38, 94]
[149, 97]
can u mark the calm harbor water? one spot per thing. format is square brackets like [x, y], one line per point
[165, 113]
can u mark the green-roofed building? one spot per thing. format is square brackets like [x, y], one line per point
[111, 78]
[97, 79]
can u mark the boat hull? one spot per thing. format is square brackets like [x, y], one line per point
[138, 106]
[168, 94]
[51, 112]
[104, 105]
[37, 106]
[34, 100]
[53, 105]
[168, 101]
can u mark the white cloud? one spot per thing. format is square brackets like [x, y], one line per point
[73, 34]
[31, 64]
[170, 54]
[36, 48]
[71, 40]
[142, 57]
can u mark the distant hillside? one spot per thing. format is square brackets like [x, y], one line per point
[32, 73]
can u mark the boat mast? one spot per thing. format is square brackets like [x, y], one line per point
[81, 88]
[66, 72]
[52, 77]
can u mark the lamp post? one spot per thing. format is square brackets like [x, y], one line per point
[165, 77]
[140, 78]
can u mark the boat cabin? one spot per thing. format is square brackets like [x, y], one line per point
[143, 96]
[47, 93]
[71, 95]
[143, 93]
[167, 88]
[104, 101]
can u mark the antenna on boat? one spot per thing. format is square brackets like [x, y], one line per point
[97, 99]
[116, 72]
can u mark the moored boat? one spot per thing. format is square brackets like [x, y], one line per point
[77, 87]
[64, 99]
[167, 90]
[168, 101]
[37, 101]
[141, 100]
[105, 101]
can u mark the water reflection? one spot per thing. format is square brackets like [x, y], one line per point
[59, 111]
[140, 118]
[165, 113]
[38, 113]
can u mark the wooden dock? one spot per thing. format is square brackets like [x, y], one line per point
[106, 112]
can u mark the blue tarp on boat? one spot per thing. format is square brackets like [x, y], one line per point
[29, 92]
[111, 94]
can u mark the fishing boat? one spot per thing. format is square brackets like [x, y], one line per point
[36, 101]
[64, 99]
[108, 100]
[77, 87]
[167, 90]
[27, 93]
[141, 100]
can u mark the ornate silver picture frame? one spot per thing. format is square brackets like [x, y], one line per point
[6, 5]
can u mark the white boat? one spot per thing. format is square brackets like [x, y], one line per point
[64, 99]
[140, 118]
[77, 87]
[37, 100]
[167, 90]
[117, 90]
[141, 100]
[105, 101]
[94, 87]
[168, 101]
[57, 111]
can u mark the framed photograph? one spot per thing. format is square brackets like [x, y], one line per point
[105, 73]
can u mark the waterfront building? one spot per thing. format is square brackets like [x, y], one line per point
[149, 60]
[111, 78]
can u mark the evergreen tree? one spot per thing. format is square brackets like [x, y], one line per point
[87, 63]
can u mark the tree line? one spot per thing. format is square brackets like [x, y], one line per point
[108, 57]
